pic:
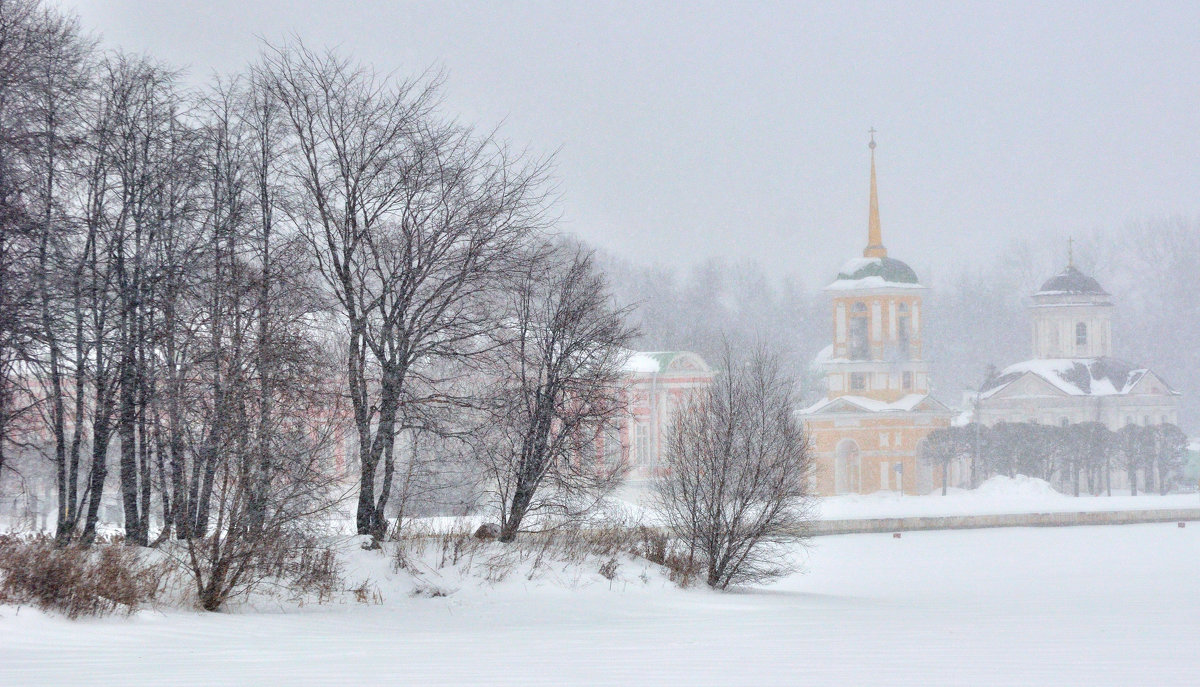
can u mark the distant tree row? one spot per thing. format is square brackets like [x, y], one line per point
[1074, 457]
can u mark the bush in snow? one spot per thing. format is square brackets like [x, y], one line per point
[78, 581]
[738, 466]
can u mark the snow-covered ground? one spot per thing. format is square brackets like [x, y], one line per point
[1044, 606]
[999, 494]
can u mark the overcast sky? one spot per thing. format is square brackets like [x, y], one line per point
[685, 132]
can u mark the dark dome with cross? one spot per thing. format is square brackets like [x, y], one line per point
[1071, 281]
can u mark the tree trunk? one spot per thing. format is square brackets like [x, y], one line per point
[98, 474]
[366, 518]
[522, 497]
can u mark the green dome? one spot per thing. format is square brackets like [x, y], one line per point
[889, 270]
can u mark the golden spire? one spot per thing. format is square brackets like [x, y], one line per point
[875, 247]
[1070, 251]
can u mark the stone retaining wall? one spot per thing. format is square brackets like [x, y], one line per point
[961, 522]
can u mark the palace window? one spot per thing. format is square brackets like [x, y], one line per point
[641, 435]
[1081, 334]
[858, 381]
[908, 380]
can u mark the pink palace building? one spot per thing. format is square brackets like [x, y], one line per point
[658, 383]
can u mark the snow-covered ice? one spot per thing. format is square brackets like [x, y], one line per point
[1039, 606]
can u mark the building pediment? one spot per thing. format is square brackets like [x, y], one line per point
[913, 403]
[1027, 384]
[1151, 384]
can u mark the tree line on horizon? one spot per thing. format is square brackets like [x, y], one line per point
[1073, 457]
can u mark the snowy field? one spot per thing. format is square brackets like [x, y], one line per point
[1044, 606]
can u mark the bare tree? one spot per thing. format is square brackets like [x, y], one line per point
[269, 455]
[942, 447]
[737, 488]
[44, 85]
[558, 388]
[411, 223]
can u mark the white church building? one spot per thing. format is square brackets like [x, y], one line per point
[1072, 376]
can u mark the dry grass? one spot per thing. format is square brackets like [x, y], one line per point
[563, 548]
[106, 578]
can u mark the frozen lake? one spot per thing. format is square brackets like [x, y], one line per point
[1067, 606]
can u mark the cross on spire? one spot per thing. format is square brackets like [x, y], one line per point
[872, 143]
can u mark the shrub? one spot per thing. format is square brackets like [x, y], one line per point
[75, 581]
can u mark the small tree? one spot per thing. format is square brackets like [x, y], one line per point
[1001, 452]
[737, 487]
[1132, 444]
[940, 448]
[1170, 446]
[1095, 441]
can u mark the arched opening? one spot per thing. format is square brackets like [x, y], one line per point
[847, 467]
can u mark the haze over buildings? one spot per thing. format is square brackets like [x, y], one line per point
[737, 130]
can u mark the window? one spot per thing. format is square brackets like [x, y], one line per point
[859, 346]
[908, 380]
[1081, 334]
[902, 335]
[858, 381]
[610, 446]
[641, 444]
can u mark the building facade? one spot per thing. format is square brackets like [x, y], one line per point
[658, 384]
[868, 429]
[1072, 376]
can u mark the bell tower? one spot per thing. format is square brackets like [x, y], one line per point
[1071, 316]
[877, 409]
[877, 344]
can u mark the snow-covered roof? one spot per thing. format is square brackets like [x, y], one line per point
[825, 356]
[658, 362]
[907, 404]
[1076, 376]
[875, 273]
